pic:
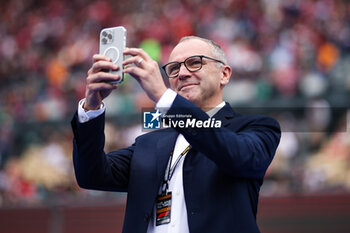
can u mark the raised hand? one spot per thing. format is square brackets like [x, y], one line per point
[97, 86]
[146, 71]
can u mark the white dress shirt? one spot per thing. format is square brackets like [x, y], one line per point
[178, 222]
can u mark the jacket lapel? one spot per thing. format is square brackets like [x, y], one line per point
[164, 148]
[225, 114]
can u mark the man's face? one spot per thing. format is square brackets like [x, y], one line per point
[202, 87]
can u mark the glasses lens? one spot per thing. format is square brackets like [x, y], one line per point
[172, 69]
[193, 63]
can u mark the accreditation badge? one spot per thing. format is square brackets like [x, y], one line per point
[163, 209]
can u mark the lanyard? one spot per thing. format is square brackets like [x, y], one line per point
[169, 172]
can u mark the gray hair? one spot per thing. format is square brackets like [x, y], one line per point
[215, 49]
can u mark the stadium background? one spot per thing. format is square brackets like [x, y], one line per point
[290, 59]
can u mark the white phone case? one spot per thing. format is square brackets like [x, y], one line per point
[112, 44]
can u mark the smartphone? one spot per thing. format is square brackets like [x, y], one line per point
[112, 45]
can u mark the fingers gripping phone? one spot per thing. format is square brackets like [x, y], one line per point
[112, 45]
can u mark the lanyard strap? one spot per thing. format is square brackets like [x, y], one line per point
[169, 172]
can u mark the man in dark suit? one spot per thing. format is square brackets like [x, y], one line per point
[187, 178]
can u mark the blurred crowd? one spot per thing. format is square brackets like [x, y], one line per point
[285, 54]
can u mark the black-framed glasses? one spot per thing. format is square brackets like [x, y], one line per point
[192, 64]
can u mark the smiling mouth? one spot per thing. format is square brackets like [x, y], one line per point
[187, 85]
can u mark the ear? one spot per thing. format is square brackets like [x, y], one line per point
[226, 75]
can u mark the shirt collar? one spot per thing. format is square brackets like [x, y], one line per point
[214, 110]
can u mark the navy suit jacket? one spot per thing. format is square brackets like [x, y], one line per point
[222, 173]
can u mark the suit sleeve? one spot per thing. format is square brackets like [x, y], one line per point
[244, 148]
[93, 168]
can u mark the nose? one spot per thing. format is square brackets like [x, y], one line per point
[183, 72]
